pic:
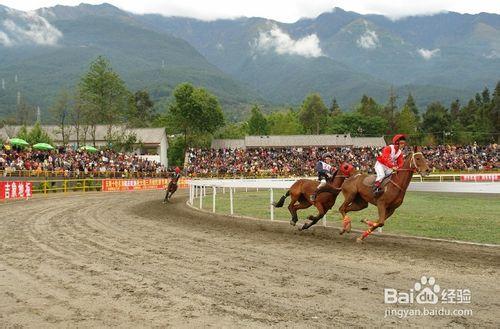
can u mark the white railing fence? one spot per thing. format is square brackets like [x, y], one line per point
[201, 190]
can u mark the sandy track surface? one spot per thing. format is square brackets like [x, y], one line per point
[127, 260]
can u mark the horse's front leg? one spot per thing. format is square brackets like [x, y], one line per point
[383, 214]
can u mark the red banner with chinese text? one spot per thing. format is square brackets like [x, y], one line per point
[15, 190]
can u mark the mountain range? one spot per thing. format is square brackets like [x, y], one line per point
[339, 54]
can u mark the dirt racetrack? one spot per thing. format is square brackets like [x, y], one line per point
[127, 260]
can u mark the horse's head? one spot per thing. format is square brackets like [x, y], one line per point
[419, 163]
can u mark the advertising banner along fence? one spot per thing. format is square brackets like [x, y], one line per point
[480, 178]
[110, 185]
[15, 190]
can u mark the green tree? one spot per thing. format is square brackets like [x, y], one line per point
[104, 96]
[313, 114]
[406, 121]
[195, 111]
[357, 125]
[334, 109]
[232, 131]
[22, 133]
[61, 111]
[38, 135]
[176, 151]
[485, 96]
[410, 103]
[495, 111]
[368, 107]
[257, 123]
[390, 111]
[141, 112]
[467, 115]
[455, 110]
[284, 123]
[436, 120]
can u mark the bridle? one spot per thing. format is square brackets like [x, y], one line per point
[414, 163]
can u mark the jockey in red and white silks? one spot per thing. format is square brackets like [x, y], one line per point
[390, 159]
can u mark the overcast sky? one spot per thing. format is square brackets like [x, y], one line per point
[281, 10]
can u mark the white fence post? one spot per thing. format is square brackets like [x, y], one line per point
[201, 197]
[214, 192]
[271, 207]
[231, 207]
[190, 194]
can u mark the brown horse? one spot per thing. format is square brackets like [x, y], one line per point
[357, 194]
[171, 188]
[302, 190]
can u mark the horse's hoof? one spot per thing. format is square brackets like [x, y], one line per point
[301, 227]
[342, 232]
[292, 223]
[359, 240]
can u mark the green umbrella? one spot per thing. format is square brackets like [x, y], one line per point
[43, 146]
[89, 148]
[18, 142]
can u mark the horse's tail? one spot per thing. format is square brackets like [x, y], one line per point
[281, 202]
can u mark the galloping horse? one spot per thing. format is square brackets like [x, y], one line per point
[302, 189]
[357, 194]
[171, 188]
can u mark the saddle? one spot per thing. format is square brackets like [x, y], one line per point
[370, 180]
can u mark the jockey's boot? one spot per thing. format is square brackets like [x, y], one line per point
[377, 190]
[313, 196]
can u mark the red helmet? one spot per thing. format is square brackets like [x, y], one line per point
[177, 170]
[398, 137]
[346, 169]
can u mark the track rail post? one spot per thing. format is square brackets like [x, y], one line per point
[231, 204]
[214, 192]
[271, 207]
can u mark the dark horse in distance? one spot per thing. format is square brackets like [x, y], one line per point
[172, 185]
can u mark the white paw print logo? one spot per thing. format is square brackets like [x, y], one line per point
[427, 290]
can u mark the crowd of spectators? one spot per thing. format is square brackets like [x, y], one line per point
[72, 163]
[302, 161]
[294, 161]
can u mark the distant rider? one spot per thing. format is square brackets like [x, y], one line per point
[325, 173]
[391, 159]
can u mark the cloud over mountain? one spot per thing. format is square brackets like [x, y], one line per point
[427, 53]
[27, 27]
[277, 40]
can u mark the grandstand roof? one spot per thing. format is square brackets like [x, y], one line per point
[299, 141]
[228, 143]
[368, 141]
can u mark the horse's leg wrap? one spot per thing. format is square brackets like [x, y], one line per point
[346, 223]
[366, 233]
[370, 223]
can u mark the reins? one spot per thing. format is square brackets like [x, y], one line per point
[413, 169]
